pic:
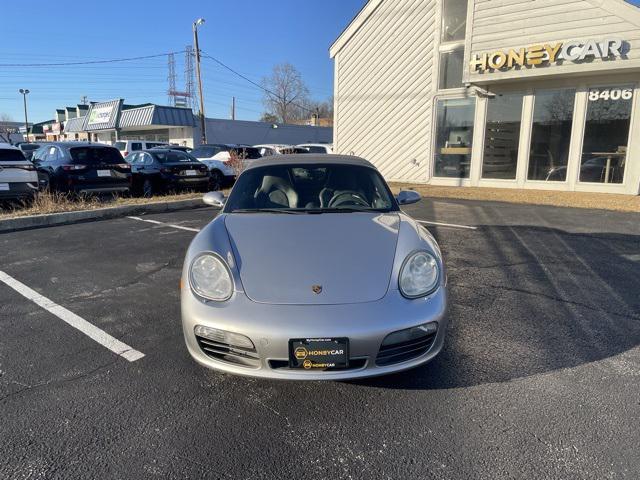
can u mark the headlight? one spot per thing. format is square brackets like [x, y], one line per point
[419, 275]
[210, 278]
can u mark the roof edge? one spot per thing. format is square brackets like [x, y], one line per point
[620, 8]
[352, 28]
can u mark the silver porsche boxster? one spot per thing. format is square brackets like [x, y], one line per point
[312, 272]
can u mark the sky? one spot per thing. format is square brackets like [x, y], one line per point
[250, 36]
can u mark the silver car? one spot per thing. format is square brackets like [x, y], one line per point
[312, 272]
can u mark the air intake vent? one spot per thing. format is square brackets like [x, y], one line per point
[229, 354]
[401, 352]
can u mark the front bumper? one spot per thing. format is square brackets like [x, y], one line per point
[270, 327]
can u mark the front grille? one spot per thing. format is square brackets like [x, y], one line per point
[228, 353]
[401, 352]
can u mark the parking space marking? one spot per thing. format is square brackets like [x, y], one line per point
[156, 222]
[449, 225]
[79, 323]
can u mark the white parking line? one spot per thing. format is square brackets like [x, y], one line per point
[450, 225]
[156, 222]
[93, 332]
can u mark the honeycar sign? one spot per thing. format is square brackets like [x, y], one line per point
[548, 53]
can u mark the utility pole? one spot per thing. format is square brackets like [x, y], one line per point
[233, 108]
[203, 127]
[84, 100]
[25, 92]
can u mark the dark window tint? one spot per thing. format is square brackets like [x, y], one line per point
[206, 151]
[313, 149]
[248, 153]
[153, 145]
[606, 134]
[136, 146]
[28, 147]
[551, 135]
[11, 155]
[502, 136]
[95, 156]
[172, 157]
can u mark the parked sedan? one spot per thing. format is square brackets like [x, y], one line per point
[159, 170]
[18, 176]
[82, 167]
[312, 272]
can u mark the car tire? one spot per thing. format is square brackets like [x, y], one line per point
[216, 180]
[147, 188]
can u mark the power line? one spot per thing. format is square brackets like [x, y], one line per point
[252, 82]
[90, 62]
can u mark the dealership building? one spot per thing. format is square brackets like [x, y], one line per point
[536, 94]
[114, 120]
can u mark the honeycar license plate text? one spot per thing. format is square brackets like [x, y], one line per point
[319, 353]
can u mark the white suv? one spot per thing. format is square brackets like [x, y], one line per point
[218, 158]
[317, 147]
[18, 176]
[128, 146]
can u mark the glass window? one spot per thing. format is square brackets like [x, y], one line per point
[454, 136]
[502, 136]
[454, 20]
[606, 134]
[206, 151]
[451, 69]
[136, 146]
[96, 155]
[551, 135]
[11, 155]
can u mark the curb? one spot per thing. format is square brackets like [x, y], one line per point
[67, 218]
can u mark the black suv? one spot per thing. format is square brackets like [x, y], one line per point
[82, 167]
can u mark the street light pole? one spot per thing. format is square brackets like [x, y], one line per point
[203, 127]
[24, 93]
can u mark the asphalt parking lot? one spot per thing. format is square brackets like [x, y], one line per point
[540, 376]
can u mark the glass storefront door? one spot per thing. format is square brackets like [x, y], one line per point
[606, 134]
[502, 136]
[551, 135]
[454, 137]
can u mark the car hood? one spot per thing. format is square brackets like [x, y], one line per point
[281, 258]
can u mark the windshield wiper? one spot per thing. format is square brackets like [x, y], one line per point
[286, 211]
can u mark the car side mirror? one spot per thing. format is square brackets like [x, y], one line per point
[407, 197]
[215, 199]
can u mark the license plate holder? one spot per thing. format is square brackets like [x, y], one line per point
[319, 353]
[190, 173]
[104, 173]
[4, 187]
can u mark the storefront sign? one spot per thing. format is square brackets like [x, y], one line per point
[100, 115]
[546, 54]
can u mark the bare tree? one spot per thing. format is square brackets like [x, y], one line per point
[5, 117]
[286, 94]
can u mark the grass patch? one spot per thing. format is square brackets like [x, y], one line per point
[601, 201]
[56, 202]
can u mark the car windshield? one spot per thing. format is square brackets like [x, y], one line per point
[308, 188]
[10, 155]
[96, 155]
[122, 146]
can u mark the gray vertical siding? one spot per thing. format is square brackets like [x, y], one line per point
[384, 89]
